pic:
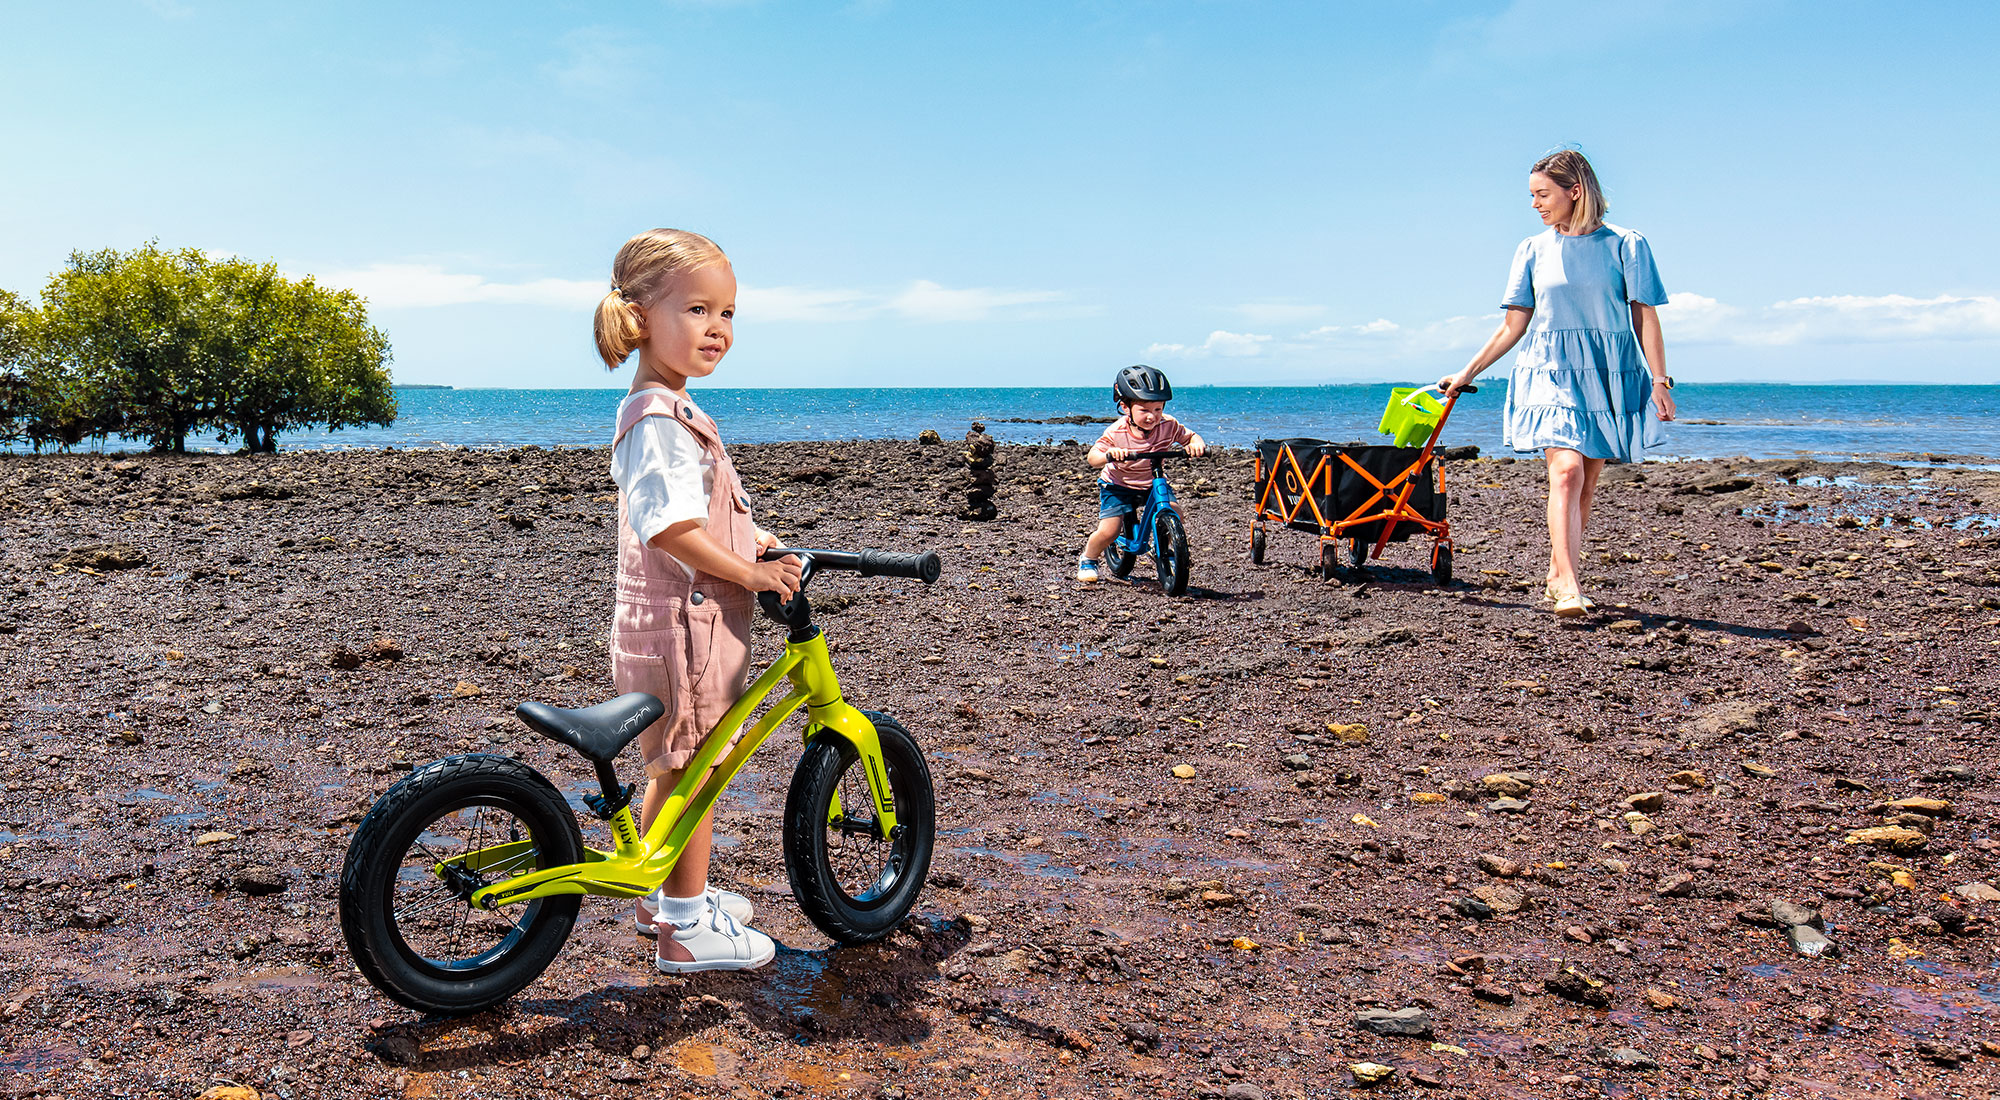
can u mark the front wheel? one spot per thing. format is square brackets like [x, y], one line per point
[855, 884]
[1257, 546]
[449, 829]
[1171, 552]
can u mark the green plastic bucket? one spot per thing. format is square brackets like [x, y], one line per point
[1411, 416]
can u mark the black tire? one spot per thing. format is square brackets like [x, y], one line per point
[1329, 560]
[1441, 565]
[395, 912]
[1120, 561]
[1257, 546]
[878, 879]
[1357, 553]
[1170, 551]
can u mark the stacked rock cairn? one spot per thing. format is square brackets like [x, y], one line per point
[980, 482]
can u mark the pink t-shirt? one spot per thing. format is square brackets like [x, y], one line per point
[1139, 474]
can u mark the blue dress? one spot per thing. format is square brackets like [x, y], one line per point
[1579, 380]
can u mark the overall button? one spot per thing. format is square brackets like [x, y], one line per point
[696, 599]
[687, 412]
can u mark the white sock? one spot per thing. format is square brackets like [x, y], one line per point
[681, 912]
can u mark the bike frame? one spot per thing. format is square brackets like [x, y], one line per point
[1158, 499]
[639, 864]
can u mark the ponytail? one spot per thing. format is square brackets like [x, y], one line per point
[619, 328]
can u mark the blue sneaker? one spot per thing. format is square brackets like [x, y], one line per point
[1087, 569]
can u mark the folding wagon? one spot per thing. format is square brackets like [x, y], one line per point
[1366, 495]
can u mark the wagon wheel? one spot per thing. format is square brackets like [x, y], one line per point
[1441, 564]
[1257, 546]
[1357, 553]
[1329, 560]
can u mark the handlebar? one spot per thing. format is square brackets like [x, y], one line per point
[797, 613]
[1139, 456]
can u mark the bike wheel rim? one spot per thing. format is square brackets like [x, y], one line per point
[855, 858]
[417, 893]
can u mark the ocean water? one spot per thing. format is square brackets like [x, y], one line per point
[1717, 420]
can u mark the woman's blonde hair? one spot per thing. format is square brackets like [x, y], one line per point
[1567, 168]
[643, 266]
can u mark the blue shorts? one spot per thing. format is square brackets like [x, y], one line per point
[1117, 500]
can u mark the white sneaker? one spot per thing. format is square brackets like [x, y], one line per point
[736, 905]
[1087, 570]
[718, 941]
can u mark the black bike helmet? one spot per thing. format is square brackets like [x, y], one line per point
[1142, 383]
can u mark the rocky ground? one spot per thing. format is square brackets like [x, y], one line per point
[1280, 837]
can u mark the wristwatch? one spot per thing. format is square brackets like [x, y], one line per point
[1666, 380]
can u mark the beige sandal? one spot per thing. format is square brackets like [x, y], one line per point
[1549, 594]
[1572, 607]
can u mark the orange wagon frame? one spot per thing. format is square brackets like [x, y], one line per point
[1381, 506]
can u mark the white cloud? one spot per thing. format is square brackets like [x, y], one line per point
[1229, 345]
[927, 301]
[427, 286]
[1839, 318]
[424, 286]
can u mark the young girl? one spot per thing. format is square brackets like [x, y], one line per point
[1584, 293]
[687, 563]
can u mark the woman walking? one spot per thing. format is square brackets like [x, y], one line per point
[1584, 294]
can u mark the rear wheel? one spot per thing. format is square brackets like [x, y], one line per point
[1329, 560]
[1170, 551]
[1441, 564]
[855, 884]
[1121, 560]
[1357, 553]
[1257, 546]
[449, 829]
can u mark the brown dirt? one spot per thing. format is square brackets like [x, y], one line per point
[170, 639]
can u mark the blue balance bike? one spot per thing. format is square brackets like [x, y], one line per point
[1157, 531]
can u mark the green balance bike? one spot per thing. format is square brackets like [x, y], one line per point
[463, 881]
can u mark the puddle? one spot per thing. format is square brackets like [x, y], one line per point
[181, 821]
[1067, 651]
[37, 1060]
[1873, 505]
[151, 795]
[1031, 863]
[1768, 970]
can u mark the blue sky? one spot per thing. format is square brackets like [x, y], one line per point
[969, 194]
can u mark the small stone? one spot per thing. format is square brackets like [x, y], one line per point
[213, 838]
[230, 1092]
[1626, 626]
[1638, 823]
[1626, 1058]
[1572, 984]
[1928, 807]
[1498, 866]
[1756, 771]
[1354, 733]
[1242, 1090]
[1219, 899]
[1676, 886]
[1896, 838]
[1689, 778]
[1503, 899]
[384, 648]
[1810, 942]
[1412, 1023]
[1977, 892]
[1508, 785]
[1507, 806]
[929, 438]
[1646, 802]
[1369, 1074]
[1494, 992]
[1472, 907]
[1298, 762]
[1788, 915]
[1659, 999]
[1183, 771]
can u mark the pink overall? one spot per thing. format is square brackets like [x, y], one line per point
[683, 638]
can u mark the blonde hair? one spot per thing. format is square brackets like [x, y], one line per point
[642, 268]
[1567, 168]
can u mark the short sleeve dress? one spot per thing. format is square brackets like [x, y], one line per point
[1579, 380]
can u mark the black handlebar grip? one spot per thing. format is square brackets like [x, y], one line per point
[1468, 389]
[924, 567]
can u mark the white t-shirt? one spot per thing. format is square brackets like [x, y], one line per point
[662, 470]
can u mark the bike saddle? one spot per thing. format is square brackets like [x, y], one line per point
[600, 732]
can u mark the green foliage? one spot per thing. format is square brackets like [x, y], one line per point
[160, 345]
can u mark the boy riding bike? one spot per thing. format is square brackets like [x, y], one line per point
[1142, 393]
